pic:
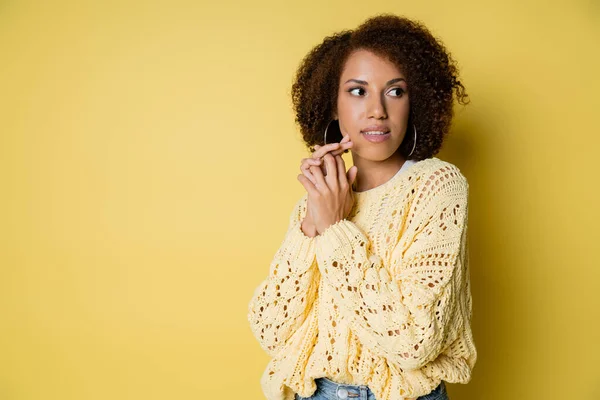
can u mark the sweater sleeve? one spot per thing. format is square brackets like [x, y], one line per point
[403, 308]
[281, 302]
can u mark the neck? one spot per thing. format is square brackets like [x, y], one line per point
[372, 173]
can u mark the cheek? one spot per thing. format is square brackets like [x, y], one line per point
[405, 106]
[400, 113]
[350, 126]
[351, 117]
[401, 105]
[349, 122]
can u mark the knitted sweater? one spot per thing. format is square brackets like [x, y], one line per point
[381, 298]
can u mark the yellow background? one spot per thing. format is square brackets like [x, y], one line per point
[148, 163]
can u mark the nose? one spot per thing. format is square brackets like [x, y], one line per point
[377, 107]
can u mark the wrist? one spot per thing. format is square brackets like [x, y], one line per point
[308, 228]
[323, 227]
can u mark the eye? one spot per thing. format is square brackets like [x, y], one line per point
[356, 88]
[400, 91]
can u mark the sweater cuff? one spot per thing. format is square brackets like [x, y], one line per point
[340, 234]
[298, 249]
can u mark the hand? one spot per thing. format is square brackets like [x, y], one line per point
[330, 199]
[316, 159]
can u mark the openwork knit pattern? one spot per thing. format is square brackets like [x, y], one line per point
[381, 298]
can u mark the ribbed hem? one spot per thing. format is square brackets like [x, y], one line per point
[343, 233]
[340, 233]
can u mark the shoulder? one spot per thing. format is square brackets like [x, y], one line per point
[439, 172]
[439, 179]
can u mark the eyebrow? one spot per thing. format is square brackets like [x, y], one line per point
[365, 82]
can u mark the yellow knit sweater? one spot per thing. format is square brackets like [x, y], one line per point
[381, 298]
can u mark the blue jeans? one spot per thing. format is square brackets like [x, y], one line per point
[330, 390]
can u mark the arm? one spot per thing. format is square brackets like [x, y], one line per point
[408, 318]
[281, 302]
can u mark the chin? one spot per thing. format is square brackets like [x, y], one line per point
[376, 155]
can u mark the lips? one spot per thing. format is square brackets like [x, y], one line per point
[376, 128]
[378, 138]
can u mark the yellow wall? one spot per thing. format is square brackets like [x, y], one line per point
[148, 162]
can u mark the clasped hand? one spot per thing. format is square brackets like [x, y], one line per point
[330, 197]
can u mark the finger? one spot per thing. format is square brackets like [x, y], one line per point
[307, 173]
[320, 184]
[305, 167]
[324, 149]
[332, 174]
[308, 185]
[323, 168]
[311, 161]
[344, 145]
[343, 149]
[341, 169]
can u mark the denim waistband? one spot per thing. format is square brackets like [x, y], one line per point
[335, 390]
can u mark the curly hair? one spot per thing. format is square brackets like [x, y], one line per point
[430, 71]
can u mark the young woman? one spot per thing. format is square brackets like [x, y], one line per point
[368, 295]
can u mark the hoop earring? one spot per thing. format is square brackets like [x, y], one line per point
[325, 138]
[415, 142]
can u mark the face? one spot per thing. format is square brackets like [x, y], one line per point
[373, 96]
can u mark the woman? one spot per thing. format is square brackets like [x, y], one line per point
[368, 295]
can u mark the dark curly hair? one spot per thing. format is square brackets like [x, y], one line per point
[431, 75]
